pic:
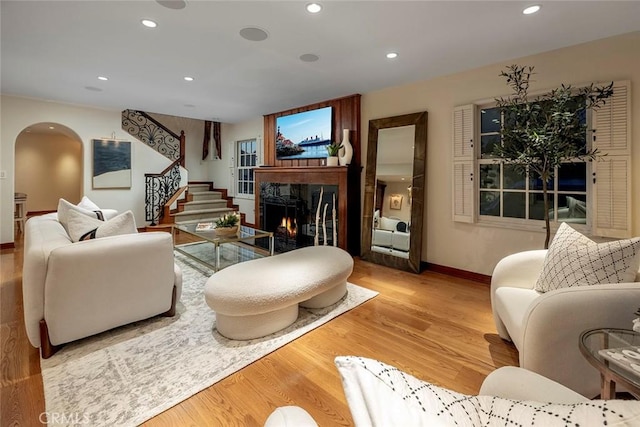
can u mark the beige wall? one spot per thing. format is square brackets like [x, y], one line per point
[396, 188]
[478, 248]
[48, 167]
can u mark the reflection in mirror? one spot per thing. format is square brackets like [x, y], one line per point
[392, 204]
[394, 191]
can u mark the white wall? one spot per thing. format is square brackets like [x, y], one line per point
[48, 167]
[478, 248]
[219, 169]
[18, 113]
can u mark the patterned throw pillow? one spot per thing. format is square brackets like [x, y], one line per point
[83, 227]
[379, 394]
[575, 260]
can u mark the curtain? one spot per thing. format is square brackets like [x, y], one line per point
[207, 139]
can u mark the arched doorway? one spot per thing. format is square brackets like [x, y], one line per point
[48, 166]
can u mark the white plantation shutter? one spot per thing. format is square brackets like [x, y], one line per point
[464, 132]
[611, 122]
[612, 196]
[463, 192]
[612, 171]
[464, 161]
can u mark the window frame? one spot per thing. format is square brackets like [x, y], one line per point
[239, 168]
[525, 223]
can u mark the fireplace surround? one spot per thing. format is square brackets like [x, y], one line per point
[293, 194]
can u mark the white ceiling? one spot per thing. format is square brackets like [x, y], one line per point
[55, 50]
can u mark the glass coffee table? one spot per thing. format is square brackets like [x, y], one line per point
[219, 251]
[616, 354]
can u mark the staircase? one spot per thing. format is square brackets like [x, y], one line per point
[167, 200]
[203, 204]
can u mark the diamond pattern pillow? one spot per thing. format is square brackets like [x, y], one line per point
[576, 260]
[382, 395]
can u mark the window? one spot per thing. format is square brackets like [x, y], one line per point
[506, 191]
[246, 161]
[594, 195]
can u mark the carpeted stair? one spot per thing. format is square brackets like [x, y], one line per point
[203, 205]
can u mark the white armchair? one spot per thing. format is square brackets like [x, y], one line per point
[545, 327]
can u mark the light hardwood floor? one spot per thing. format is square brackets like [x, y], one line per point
[435, 327]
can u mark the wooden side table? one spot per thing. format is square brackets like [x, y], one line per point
[594, 342]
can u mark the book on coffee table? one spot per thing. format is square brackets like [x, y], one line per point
[624, 357]
[204, 226]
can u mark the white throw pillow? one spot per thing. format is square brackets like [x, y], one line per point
[388, 223]
[83, 227]
[379, 394]
[576, 260]
[87, 203]
[85, 207]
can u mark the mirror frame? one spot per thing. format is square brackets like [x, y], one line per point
[417, 191]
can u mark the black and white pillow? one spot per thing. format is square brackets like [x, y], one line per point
[379, 394]
[82, 227]
[576, 260]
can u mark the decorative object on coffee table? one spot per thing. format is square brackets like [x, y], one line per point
[227, 225]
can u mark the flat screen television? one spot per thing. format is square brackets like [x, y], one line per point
[304, 135]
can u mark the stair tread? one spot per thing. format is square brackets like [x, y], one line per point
[204, 202]
[201, 211]
[195, 221]
[206, 192]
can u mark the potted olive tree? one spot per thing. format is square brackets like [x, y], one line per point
[541, 132]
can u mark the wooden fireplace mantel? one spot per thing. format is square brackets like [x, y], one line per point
[328, 175]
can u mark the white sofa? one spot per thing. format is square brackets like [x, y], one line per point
[381, 395]
[388, 239]
[545, 327]
[74, 290]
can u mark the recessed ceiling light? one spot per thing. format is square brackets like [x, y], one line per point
[189, 79]
[103, 78]
[253, 34]
[149, 23]
[392, 55]
[531, 9]
[314, 8]
[309, 57]
[51, 127]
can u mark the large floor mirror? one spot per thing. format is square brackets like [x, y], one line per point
[394, 191]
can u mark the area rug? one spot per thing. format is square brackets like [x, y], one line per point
[128, 375]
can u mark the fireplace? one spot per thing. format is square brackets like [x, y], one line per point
[294, 193]
[290, 211]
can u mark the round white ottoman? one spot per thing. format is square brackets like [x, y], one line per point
[259, 297]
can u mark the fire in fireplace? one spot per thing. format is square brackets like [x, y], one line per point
[288, 227]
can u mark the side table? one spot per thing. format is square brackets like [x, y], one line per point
[594, 343]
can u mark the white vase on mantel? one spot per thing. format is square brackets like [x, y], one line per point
[346, 152]
[332, 161]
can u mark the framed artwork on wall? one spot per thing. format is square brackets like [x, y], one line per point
[395, 201]
[111, 164]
